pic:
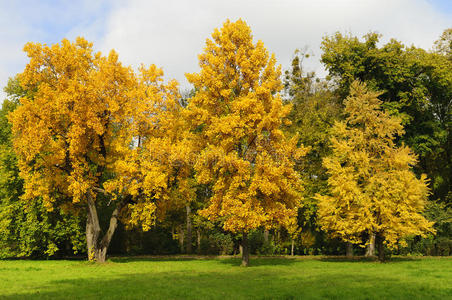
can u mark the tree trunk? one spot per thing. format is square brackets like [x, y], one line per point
[371, 247]
[292, 247]
[92, 229]
[349, 250]
[198, 233]
[189, 229]
[245, 250]
[266, 233]
[181, 234]
[381, 249]
[97, 248]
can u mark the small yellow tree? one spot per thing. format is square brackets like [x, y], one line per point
[372, 187]
[235, 120]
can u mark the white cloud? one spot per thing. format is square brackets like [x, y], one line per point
[172, 33]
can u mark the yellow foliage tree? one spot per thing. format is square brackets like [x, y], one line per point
[89, 134]
[372, 187]
[235, 119]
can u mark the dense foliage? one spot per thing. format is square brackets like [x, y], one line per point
[236, 118]
[248, 161]
[416, 85]
[28, 229]
[373, 190]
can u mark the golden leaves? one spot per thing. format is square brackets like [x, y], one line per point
[235, 119]
[372, 186]
[90, 122]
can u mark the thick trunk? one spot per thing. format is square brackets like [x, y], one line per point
[101, 254]
[189, 229]
[90, 239]
[292, 247]
[245, 250]
[97, 248]
[105, 242]
[371, 247]
[92, 229]
[266, 233]
[349, 250]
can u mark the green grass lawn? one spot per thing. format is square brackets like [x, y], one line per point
[266, 278]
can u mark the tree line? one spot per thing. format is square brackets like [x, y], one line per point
[251, 159]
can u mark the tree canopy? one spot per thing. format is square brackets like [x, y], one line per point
[372, 187]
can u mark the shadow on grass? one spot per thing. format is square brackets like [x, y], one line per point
[228, 260]
[361, 259]
[250, 283]
[259, 261]
[127, 259]
[403, 258]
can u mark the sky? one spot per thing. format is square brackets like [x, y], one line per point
[172, 33]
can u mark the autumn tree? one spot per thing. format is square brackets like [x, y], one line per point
[416, 85]
[235, 119]
[373, 189]
[82, 136]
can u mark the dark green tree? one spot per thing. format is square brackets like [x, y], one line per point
[315, 109]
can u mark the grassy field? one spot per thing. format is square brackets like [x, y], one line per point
[222, 278]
